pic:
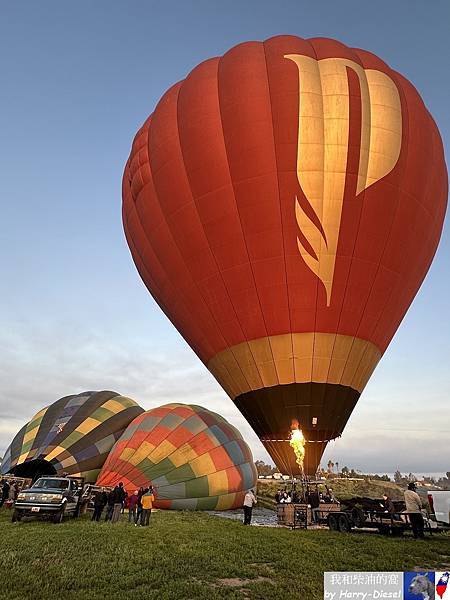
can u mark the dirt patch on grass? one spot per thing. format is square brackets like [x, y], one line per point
[237, 582]
[441, 564]
[230, 582]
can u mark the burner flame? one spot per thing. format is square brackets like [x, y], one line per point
[297, 442]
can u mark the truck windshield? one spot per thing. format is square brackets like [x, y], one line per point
[51, 484]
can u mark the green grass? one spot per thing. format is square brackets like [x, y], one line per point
[184, 556]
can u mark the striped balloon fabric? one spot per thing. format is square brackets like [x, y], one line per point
[193, 458]
[74, 435]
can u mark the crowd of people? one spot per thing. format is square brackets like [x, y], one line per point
[116, 501]
[312, 497]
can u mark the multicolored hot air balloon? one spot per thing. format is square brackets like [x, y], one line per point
[73, 435]
[193, 457]
[283, 204]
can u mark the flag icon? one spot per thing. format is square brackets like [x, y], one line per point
[441, 586]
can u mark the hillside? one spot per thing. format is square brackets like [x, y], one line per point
[342, 488]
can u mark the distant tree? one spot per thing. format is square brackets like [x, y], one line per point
[411, 478]
[337, 467]
[448, 475]
[345, 471]
[380, 477]
[398, 478]
[263, 469]
[330, 466]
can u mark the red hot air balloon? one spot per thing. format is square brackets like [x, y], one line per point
[283, 204]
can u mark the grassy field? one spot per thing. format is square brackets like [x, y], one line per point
[191, 556]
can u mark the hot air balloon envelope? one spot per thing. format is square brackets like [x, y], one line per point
[73, 435]
[283, 204]
[193, 457]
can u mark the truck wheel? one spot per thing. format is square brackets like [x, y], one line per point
[16, 516]
[59, 516]
[333, 522]
[344, 524]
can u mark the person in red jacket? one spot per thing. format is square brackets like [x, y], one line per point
[132, 507]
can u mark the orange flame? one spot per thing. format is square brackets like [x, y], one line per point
[297, 442]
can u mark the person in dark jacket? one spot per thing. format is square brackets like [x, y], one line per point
[314, 502]
[139, 504]
[110, 506]
[388, 505]
[125, 502]
[5, 492]
[118, 500]
[100, 501]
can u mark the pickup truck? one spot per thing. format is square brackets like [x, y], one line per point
[439, 502]
[54, 497]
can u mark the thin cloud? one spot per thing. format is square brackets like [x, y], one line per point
[43, 363]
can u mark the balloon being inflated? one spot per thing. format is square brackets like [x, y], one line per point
[192, 457]
[283, 204]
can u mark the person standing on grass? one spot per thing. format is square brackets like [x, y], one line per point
[132, 507]
[5, 492]
[119, 499]
[126, 502]
[139, 505]
[110, 506]
[147, 504]
[249, 501]
[16, 491]
[314, 502]
[414, 510]
[100, 501]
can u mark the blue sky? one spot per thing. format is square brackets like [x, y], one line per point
[77, 80]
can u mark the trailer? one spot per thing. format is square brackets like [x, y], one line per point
[369, 514]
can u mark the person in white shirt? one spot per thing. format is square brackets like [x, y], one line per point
[249, 501]
[414, 510]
